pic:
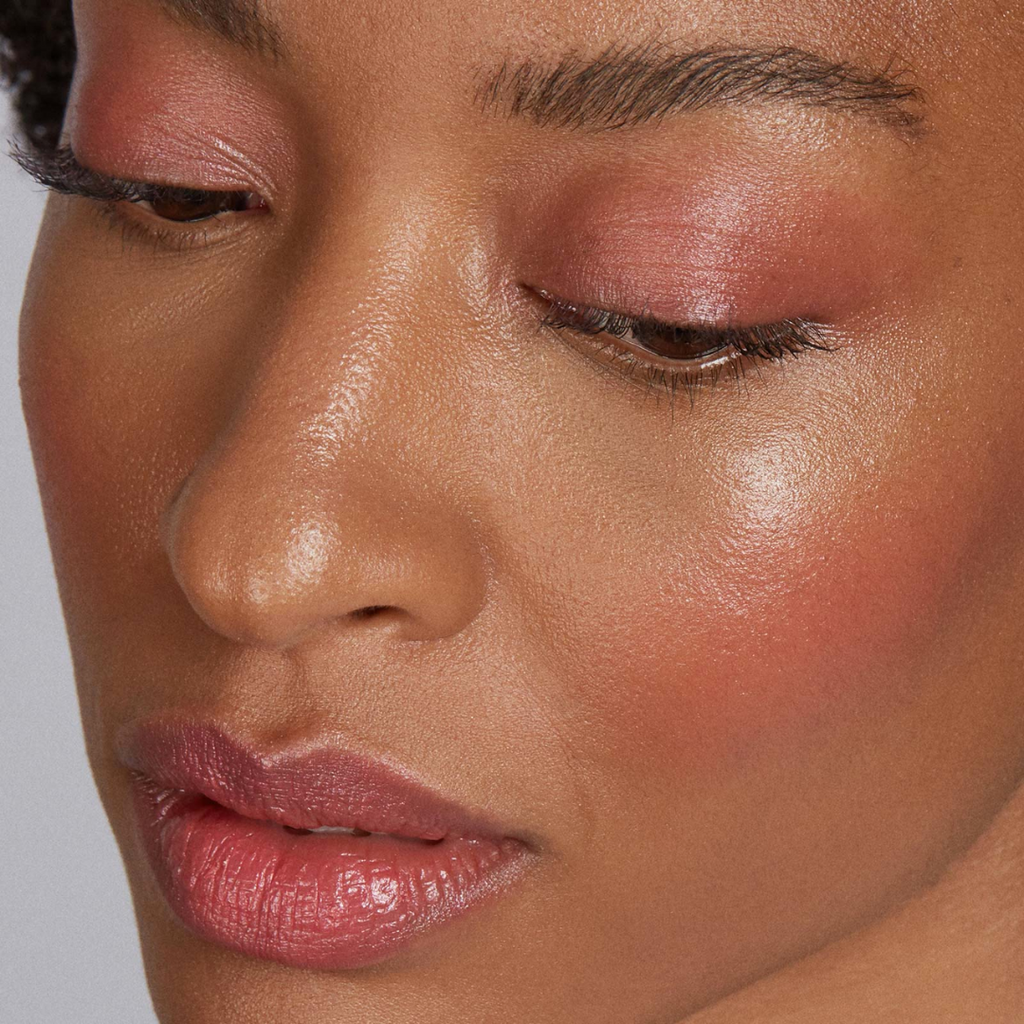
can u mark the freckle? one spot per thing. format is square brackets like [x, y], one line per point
[958, 262]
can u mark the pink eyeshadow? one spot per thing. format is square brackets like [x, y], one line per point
[742, 249]
[162, 110]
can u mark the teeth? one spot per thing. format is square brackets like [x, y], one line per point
[339, 830]
[327, 830]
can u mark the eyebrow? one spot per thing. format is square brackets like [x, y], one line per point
[623, 87]
[242, 22]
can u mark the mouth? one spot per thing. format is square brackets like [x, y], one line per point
[353, 831]
[338, 830]
[320, 859]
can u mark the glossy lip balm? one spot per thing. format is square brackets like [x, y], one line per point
[230, 836]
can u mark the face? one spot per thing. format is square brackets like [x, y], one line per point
[652, 493]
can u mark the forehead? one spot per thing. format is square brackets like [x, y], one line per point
[885, 30]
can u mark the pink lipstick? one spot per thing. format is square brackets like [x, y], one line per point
[318, 859]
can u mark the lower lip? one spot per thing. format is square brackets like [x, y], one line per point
[320, 901]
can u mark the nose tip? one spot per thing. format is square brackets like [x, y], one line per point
[260, 569]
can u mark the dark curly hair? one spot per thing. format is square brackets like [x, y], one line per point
[37, 58]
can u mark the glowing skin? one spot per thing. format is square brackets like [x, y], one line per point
[745, 666]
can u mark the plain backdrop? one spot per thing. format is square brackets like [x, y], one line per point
[68, 948]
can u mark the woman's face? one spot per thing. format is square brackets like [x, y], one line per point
[727, 639]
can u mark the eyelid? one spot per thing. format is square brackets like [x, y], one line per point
[130, 206]
[61, 171]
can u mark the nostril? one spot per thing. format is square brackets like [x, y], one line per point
[369, 610]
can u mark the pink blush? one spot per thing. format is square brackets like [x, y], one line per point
[777, 630]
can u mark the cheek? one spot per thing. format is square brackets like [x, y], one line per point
[69, 415]
[795, 611]
[122, 371]
[102, 413]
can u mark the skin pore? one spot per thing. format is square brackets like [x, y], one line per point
[739, 649]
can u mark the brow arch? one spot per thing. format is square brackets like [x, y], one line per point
[623, 86]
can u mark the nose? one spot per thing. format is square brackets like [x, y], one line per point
[320, 505]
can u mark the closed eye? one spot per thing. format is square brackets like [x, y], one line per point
[670, 354]
[62, 172]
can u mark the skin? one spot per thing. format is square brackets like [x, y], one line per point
[747, 666]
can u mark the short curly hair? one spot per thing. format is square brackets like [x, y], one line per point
[37, 59]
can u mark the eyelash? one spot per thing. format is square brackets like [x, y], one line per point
[734, 349]
[60, 171]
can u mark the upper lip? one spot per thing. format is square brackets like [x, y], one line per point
[308, 788]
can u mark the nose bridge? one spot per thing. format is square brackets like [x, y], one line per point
[330, 490]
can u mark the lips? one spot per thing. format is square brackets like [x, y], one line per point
[316, 859]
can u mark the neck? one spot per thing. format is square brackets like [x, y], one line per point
[953, 953]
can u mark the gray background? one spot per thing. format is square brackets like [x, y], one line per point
[68, 948]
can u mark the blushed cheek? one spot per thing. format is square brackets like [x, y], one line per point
[87, 424]
[801, 612]
[71, 466]
[59, 405]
